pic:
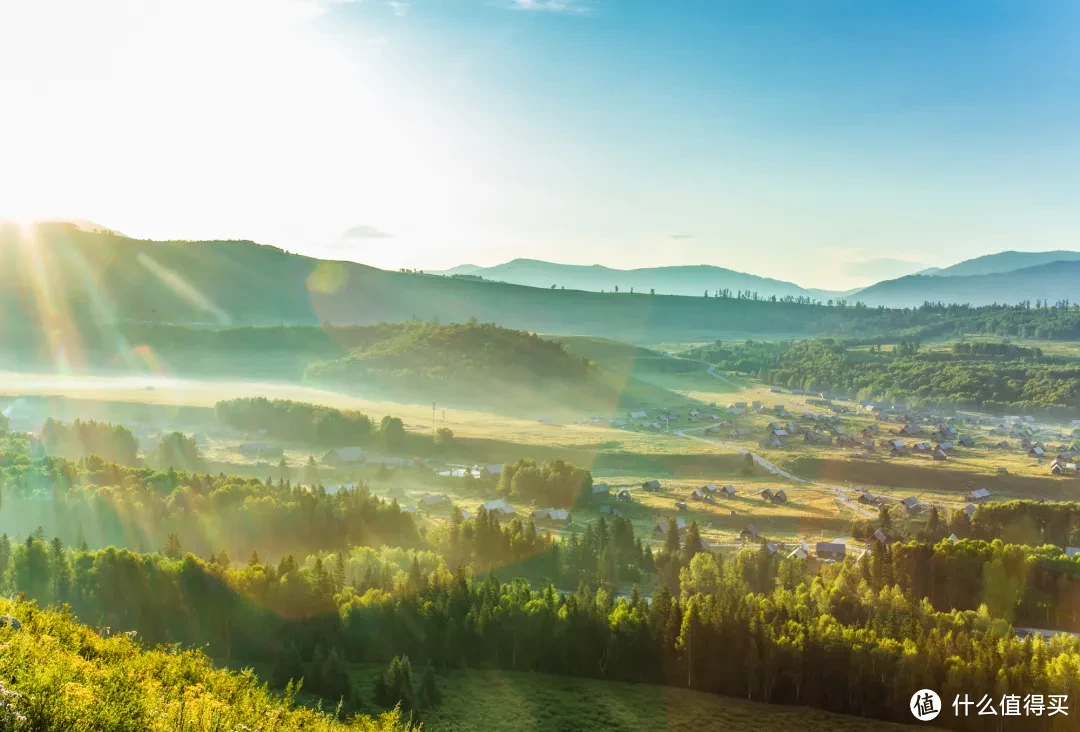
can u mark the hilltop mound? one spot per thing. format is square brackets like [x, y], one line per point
[473, 363]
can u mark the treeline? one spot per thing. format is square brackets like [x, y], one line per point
[1029, 522]
[102, 503]
[301, 422]
[754, 626]
[80, 439]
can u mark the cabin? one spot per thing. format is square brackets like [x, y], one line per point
[500, 508]
[966, 442]
[921, 447]
[727, 491]
[1002, 471]
[698, 494]
[652, 486]
[969, 509]
[661, 529]
[1057, 467]
[681, 506]
[938, 455]
[739, 432]
[830, 551]
[878, 537]
[737, 405]
[750, 533]
[910, 504]
[342, 456]
[756, 405]
[910, 430]
[490, 471]
[600, 489]
[798, 552]
[871, 431]
[434, 501]
[608, 510]
[944, 446]
[1036, 452]
[1003, 445]
[779, 498]
[978, 496]
[639, 415]
[953, 539]
[551, 516]
[766, 495]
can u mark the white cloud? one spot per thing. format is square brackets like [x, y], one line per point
[363, 231]
[399, 7]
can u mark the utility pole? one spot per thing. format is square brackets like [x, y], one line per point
[433, 421]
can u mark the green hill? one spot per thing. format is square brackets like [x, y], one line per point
[478, 364]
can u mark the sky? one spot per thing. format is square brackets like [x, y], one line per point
[832, 143]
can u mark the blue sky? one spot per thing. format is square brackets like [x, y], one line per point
[830, 142]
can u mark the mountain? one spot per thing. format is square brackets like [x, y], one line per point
[1053, 281]
[1005, 262]
[692, 280]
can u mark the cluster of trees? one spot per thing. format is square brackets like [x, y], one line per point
[555, 483]
[993, 378]
[104, 503]
[301, 422]
[81, 439]
[746, 357]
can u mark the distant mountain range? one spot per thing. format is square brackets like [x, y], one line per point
[1019, 276]
[1053, 281]
[689, 280]
[1005, 262]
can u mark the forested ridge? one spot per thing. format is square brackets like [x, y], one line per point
[988, 376]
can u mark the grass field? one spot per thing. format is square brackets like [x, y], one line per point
[479, 701]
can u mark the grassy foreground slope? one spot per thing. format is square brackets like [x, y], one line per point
[477, 701]
[60, 675]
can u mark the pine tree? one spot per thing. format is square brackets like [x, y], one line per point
[173, 549]
[428, 695]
